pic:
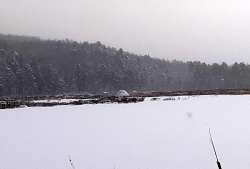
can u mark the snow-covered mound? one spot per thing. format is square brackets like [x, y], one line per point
[121, 93]
[168, 133]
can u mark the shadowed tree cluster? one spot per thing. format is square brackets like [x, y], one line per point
[31, 66]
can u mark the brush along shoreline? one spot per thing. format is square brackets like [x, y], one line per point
[135, 97]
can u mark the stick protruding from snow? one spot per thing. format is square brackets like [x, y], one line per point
[71, 163]
[212, 142]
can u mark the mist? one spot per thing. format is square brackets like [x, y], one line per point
[210, 31]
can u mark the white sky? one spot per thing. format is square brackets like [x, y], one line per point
[211, 30]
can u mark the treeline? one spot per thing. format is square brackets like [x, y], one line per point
[31, 66]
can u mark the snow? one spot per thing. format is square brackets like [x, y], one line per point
[122, 93]
[161, 134]
[56, 100]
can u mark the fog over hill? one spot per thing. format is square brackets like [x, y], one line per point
[209, 31]
[33, 66]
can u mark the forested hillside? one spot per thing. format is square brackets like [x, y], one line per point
[31, 66]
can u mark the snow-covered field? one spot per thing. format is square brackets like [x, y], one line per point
[149, 135]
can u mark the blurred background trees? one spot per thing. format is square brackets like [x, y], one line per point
[31, 66]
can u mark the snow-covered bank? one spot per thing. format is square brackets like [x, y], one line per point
[160, 134]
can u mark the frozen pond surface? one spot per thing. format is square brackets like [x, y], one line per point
[148, 135]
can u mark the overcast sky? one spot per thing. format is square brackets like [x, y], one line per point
[211, 30]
